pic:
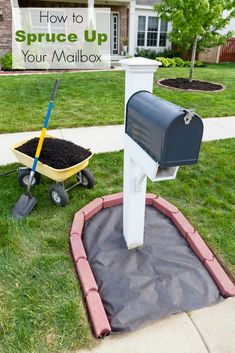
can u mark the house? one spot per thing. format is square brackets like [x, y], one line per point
[133, 20]
[222, 53]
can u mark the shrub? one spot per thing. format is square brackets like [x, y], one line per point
[6, 62]
[165, 61]
[172, 62]
[168, 53]
[165, 58]
[146, 53]
[187, 63]
[152, 54]
[199, 63]
[179, 62]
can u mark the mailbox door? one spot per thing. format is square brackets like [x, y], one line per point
[182, 142]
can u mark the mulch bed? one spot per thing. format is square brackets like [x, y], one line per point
[56, 153]
[195, 85]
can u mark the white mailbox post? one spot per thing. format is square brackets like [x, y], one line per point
[138, 165]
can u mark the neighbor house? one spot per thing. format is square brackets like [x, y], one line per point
[133, 21]
[222, 53]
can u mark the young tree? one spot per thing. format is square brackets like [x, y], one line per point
[196, 23]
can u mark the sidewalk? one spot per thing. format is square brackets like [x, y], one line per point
[208, 330]
[108, 138]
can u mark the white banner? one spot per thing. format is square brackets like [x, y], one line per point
[61, 38]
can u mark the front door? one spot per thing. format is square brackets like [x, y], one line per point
[114, 33]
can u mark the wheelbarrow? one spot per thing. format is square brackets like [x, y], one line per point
[57, 191]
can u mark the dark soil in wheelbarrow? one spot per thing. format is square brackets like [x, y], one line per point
[195, 85]
[56, 153]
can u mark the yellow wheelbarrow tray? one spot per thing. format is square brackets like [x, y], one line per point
[59, 175]
[57, 192]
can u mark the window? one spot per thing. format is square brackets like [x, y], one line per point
[59, 27]
[163, 34]
[115, 33]
[37, 26]
[141, 31]
[152, 32]
[44, 26]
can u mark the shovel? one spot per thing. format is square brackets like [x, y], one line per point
[27, 202]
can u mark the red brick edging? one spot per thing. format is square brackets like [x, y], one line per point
[95, 307]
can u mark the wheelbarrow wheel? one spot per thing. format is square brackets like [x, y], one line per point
[58, 195]
[86, 178]
[23, 177]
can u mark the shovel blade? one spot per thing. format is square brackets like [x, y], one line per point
[23, 207]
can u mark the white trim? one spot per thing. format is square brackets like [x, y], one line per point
[132, 31]
[144, 7]
[159, 30]
[148, 166]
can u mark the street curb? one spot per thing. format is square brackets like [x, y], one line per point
[99, 320]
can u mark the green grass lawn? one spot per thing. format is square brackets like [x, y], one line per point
[41, 304]
[96, 98]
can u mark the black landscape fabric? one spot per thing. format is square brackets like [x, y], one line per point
[56, 153]
[138, 286]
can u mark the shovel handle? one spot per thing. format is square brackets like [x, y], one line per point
[56, 85]
[50, 106]
[44, 129]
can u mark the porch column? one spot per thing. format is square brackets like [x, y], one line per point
[91, 17]
[14, 3]
[132, 28]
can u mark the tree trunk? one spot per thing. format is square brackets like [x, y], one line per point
[193, 59]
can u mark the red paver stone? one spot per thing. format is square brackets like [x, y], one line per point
[77, 247]
[86, 276]
[112, 200]
[221, 278]
[164, 206]
[149, 199]
[92, 208]
[98, 316]
[78, 223]
[199, 246]
[182, 223]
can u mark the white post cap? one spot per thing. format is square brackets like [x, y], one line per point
[140, 64]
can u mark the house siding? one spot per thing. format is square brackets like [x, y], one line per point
[6, 24]
[5, 27]
[121, 10]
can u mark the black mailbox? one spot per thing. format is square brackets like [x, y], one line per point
[170, 134]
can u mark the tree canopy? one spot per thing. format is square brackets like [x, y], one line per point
[201, 19]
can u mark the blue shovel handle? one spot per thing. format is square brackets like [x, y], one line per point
[43, 132]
